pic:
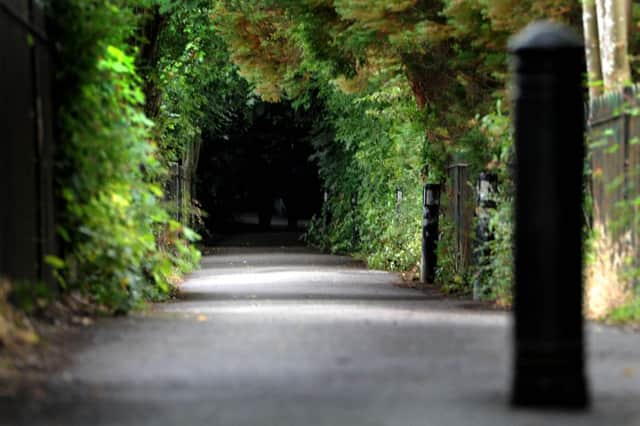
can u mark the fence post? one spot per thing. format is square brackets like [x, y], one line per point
[627, 97]
[460, 210]
[430, 214]
[549, 139]
[399, 196]
[354, 208]
[485, 200]
[326, 210]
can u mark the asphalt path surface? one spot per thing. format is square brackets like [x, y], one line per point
[286, 336]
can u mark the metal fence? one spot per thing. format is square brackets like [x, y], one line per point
[26, 134]
[614, 136]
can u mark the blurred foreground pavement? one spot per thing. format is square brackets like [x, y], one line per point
[284, 336]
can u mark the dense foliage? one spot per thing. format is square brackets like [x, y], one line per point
[365, 148]
[122, 244]
[199, 94]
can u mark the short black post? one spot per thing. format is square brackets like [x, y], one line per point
[549, 138]
[430, 215]
[486, 187]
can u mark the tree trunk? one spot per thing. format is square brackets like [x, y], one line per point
[613, 21]
[148, 58]
[592, 47]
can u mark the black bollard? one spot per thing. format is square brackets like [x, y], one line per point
[430, 215]
[549, 138]
[485, 201]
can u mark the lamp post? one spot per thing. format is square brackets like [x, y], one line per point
[430, 222]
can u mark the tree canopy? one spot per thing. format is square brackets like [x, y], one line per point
[450, 55]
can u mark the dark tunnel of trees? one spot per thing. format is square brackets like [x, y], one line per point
[259, 174]
[126, 97]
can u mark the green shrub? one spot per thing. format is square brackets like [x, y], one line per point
[121, 246]
[368, 147]
[626, 313]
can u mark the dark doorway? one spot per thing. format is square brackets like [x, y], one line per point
[258, 175]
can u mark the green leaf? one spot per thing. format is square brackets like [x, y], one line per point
[55, 262]
[612, 149]
[191, 235]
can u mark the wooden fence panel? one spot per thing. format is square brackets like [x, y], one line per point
[18, 232]
[461, 211]
[606, 139]
[44, 72]
[634, 165]
[614, 138]
[26, 135]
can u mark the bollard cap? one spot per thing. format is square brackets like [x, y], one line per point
[545, 35]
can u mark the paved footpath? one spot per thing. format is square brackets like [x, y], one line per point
[286, 336]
